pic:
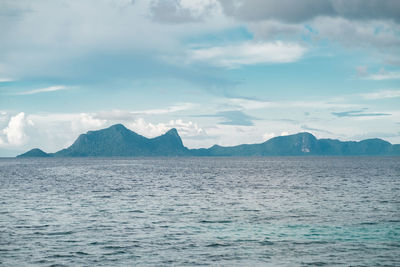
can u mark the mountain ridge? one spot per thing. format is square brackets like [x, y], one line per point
[119, 141]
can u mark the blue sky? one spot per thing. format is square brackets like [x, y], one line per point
[221, 72]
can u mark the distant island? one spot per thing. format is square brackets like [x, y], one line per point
[118, 141]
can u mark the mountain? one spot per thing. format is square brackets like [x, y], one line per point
[290, 145]
[122, 142]
[34, 153]
[118, 141]
[303, 144]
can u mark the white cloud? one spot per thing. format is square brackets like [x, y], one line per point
[14, 132]
[316, 104]
[382, 94]
[147, 129]
[3, 119]
[249, 103]
[131, 114]
[380, 35]
[170, 109]
[86, 121]
[259, 104]
[230, 135]
[43, 90]
[4, 80]
[249, 53]
[73, 38]
[52, 132]
[268, 136]
[61, 129]
[383, 75]
[77, 39]
[185, 129]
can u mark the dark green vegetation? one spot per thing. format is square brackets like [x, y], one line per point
[118, 141]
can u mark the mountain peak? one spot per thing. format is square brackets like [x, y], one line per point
[171, 141]
[305, 134]
[118, 127]
[34, 153]
[173, 132]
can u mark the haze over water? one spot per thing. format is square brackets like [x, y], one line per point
[200, 211]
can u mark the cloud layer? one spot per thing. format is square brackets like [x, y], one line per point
[249, 53]
[299, 11]
[43, 90]
[15, 131]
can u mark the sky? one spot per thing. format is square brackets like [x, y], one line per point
[221, 72]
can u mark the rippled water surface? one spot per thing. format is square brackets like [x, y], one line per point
[200, 211]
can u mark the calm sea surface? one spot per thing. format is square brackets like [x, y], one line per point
[200, 211]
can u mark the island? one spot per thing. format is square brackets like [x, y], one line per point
[118, 141]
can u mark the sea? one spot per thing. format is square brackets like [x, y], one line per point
[261, 211]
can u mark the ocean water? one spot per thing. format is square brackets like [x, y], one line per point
[269, 211]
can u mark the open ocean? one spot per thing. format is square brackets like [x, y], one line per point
[272, 211]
